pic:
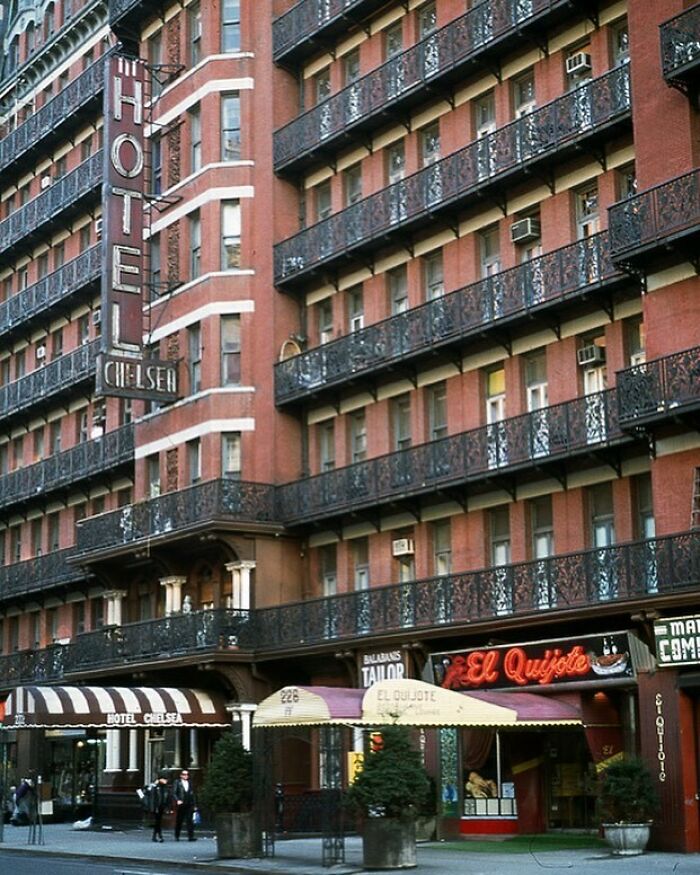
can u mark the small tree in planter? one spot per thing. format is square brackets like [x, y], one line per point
[628, 801]
[228, 792]
[392, 786]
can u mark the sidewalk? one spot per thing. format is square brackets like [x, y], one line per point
[303, 856]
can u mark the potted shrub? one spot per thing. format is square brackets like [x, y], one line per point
[228, 793]
[389, 791]
[628, 801]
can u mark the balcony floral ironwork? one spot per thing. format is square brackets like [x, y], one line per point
[660, 389]
[680, 48]
[84, 460]
[46, 383]
[176, 513]
[513, 294]
[171, 637]
[64, 194]
[32, 666]
[407, 78]
[586, 114]
[593, 578]
[481, 454]
[128, 15]
[652, 220]
[39, 300]
[39, 574]
[50, 121]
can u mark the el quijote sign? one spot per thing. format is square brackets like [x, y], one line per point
[121, 368]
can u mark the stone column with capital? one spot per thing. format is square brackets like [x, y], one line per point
[114, 599]
[240, 575]
[173, 593]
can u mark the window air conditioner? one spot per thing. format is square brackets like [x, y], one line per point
[98, 228]
[525, 231]
[96, 316]
[590, 355]
[402, 547]
[41, 351]
[45, 182]
[638, 358]
[578, 63]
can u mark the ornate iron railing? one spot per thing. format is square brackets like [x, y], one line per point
[128, 13]
[680, 44]
[54, 116]
[62, 194]
[660, 388]
[442, 187]
[45, 382]
[405, 78]
[40, 573]
[179, 511]
[50, 292]
[564, 273]
[163, 638]
[32, 666]
[69, 467]
[544, 435]
[655, 216]
[591, 578]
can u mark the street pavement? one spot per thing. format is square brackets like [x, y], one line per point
[131, 848]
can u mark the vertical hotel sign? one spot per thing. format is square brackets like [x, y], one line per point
[122, 369]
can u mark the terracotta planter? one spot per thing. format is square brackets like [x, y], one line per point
[236, 836]
[627, 839]
[389, 843]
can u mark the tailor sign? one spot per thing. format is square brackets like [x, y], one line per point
[122, 242]
[678, 640]
[538, 664]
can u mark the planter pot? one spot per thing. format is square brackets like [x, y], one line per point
[389, 843]
[425, 828]
[236, 836]
[627, 839]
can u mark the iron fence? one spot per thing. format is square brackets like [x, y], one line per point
[663, 386]
[680, 43]
[535, 138]
[40, 573]
[32, 666]
[564, 273]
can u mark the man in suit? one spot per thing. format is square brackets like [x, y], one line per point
[183, 794]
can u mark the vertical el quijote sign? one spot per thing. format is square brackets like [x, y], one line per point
[122, 205]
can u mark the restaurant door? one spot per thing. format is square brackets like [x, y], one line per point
[570, 782]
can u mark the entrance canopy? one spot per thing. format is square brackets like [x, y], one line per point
[111, 707]
[409, 702]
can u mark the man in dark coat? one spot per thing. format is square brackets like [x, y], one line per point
[159, 799]
[183, 794]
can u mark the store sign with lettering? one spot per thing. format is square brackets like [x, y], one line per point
[381, 665]
[536, 665]
[678, 640]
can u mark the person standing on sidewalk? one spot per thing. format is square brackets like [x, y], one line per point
[183, 794]
[159, 800]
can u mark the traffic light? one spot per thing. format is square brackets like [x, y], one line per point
[376, 742]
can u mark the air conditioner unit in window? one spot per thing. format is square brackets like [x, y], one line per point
[578, 63]
[98, 228]
[96, 316]
[638, 358]
[41, 351]
[402, 547]
[525, 230]
[590, 355]
[45, 182]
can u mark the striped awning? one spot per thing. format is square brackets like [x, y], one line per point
[34, 707]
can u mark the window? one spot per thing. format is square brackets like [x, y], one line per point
[18, 452]
[397, 280]
[38, 444]
[645, 526]
[84, 238]
[358, 436]
[16, 543]
[395, 162]
[52, 624]
[4, 459]
[352, 184]
[437, 411]
[524, 94]
[401, 422]
[78, 618]
[433, 279]
[351, 67]
[635, 341]
[20, 363]
[155, 267]
[602, 515]
[326, 446]
[42, 265]
[55, 437]
[195, 116]
[35, 628]
[194, 461]
[231, 455]
[360, 563]
[230, 350]
[194, 346]
[393, 41]
[195, 245]
[324, 310]
[322, 195]
[81, 427]
[579, 73]
[322, 85]
[536, 381]
[230, 127]
[620, 43]
[37, 533]
[442, 547]
[328, 569]
[153, 475]
[484, 115]
[626, 181]
[430, 144]
[230, 25]
[84, 328]
[542, 526]
[54, 531]
[57, 343]
[499, 530]
[427, 20]
[97, 611]
[59, 255]
[157, 164]
[356, 311]
[230, 235]
[490, 251]
[125, 411]
[88, 58]
[194, 18]
[587, 212]
[155, 59]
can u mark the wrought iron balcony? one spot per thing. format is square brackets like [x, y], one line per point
[657, 221]
[442, 58]
[85, 460]
[176, 514]
[36, 304]
[505, 298]
[65, 196]
[661, 389]
[598, 578]
[50, 122]
[550, 435]
[680, 48]
[46, 384]
[166, 638]
[32, 666]
[127, 17]
[39, 574]
[583, 116]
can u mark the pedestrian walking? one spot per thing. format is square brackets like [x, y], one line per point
[158, 800]
[185, 805]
